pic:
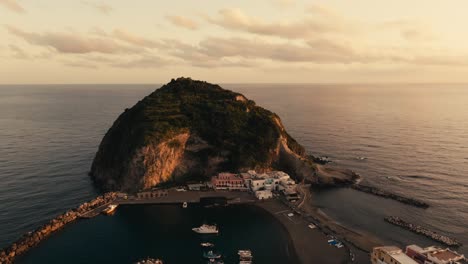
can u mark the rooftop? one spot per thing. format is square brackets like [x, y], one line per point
[446, 255]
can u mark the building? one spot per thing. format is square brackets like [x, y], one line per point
[390, 255]
[434, 255]
[263, 194]
[228, 181]
[196, 186]
[152, 194]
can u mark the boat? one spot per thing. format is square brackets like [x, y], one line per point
[110, 209]
[245, 256]
[211, 255]
[207, 244]
[184, 205]
[206, 229]
[150, 261]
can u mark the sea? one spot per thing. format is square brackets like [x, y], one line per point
[410, 139]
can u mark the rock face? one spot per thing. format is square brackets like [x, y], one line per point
[191, 130]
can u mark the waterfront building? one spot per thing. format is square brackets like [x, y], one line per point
[390, 255]
[152, 194]
[228, 181]
[263, 194]
[196, 186]
[434, 255]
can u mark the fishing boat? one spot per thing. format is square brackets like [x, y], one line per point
[211, 255]
[206, 229]
[207, 244]
[110, 209]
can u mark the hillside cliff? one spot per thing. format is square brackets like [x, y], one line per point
[191, 129]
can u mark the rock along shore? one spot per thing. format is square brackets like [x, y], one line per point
[31, 239]
[423, 231]
[385, 194]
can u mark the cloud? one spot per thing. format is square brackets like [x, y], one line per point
[12, 5]
[18, 53]
[184, 22]
[409, 30]
[72, 42]
[134, 39]
[319, 23]
[284, 3]
[144, 62]
[101, 7]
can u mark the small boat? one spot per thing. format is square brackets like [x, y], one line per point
[110, 209]
[245, 255]
[211, 255]
[150, 261]
[206, 229]
[184, 205]
[207, 244]
[312, 226]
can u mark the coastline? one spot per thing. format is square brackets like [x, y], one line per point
[310, 245]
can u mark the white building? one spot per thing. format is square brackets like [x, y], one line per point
[263, 195]
[390, 255]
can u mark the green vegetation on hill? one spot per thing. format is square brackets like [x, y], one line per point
[235, 126]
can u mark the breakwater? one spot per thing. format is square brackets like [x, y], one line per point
[423, 231]
[31, 239]
[385, 194]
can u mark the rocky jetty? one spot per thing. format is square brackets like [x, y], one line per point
[33, 238]
[190, 130]
[385, 194]
[423, 231]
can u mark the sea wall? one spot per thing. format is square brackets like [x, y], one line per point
[385, 194]
[423, 231]
[31, 239]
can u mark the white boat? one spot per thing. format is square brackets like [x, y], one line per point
[206, 229]
[184, 205]
[312, 226]
[110, 209]
[245, 255]
[207, 244]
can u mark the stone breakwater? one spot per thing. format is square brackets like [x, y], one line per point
[423, 231]
[31, 239]
[379, 192]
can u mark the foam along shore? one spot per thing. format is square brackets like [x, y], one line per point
[385, 194]
[31, 239]
[423, 231]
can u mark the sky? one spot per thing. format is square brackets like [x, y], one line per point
[243, 41]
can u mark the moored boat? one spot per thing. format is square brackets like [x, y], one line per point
[207, 244]
[206, 229]
[110, 209]
[184, 205]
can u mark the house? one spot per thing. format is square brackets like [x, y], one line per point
[390, 255]
[434, 255]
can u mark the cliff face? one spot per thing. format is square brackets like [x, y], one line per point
[191, 130]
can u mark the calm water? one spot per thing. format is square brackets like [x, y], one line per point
[136, 232]
[415, 139]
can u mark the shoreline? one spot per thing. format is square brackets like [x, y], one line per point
[310, 245]
[304, 244]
